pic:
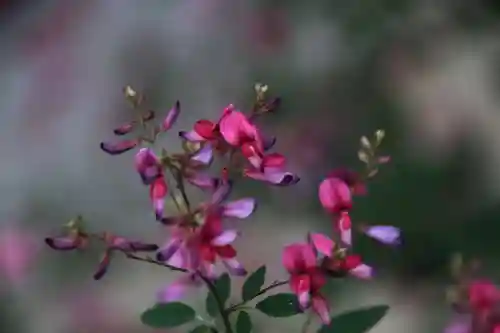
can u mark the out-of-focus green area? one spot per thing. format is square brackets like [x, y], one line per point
[425, 71]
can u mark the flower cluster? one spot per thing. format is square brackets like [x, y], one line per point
[475, 300]
[202, 235]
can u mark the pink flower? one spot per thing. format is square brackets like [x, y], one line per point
[147, 165]
[351, 178]
[335, 195]
[158, 190]
[483, 295]
[306, 278]
[338, 265]
[171, 117]
[72, 241]
[273, 171]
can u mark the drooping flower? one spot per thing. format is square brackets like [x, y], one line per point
[273, 171]
[306, 278]
[73, 240]
[335, 261]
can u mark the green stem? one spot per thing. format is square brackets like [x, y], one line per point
[220, 304]
[264, 290]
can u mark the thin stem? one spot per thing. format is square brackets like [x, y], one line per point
[307, 323]
[155, 262]
[220, 304]
[264, 290]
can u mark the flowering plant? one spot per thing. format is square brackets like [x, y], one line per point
[198, 234]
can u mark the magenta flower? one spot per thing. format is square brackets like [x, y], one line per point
[273, 171]
[336, 265]
[306, 278]
[158, 191]
[147, 165]
[335, 195]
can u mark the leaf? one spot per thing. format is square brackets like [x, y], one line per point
[168, 315]
[356, 321]
[279, 305]
[243, 323]
[253, 283]
[203, 329]
[223, 288]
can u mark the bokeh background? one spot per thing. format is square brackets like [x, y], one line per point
[424, 70]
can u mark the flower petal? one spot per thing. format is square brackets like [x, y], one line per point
[169, 249]
[226, 238]
[124, 129]
[147, 165]
[301, 286]
[203, 181]
[230, 127]
[234, 267]
[274, 176]
[204, 155]
[176, 290]
[385, 234]
[362, 271]
[297, 257]
[221, 193]
[320, 306]
[118, 148]
[322, 243]
[62, 243]
[241, 208]
[191, 136]
[157, 192]
[344, 226]
[180, 258]
[103, 265]
[335, 195]
[205, 129]
[172, 116]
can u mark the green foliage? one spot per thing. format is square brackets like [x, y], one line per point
[279, 305]
[223, 288]
[356, 321]
[168, 315]
[203, 329]
[253, 283]
[244, 323]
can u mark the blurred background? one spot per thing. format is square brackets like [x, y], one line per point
[424, 70]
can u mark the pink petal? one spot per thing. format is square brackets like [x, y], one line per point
[362, 271]
[221, 193]
[103, 266]
[203, 181]
[172, 116]
[204, 155]
[158, 192]
[384, 159]
[320, 306]
[384, 234]
[335, 195]
[226, 238]
[191, 136]
[230, 127]
[118, 148]
[234, 267]
[147, 165]
[297, 257]
[274, 176]
[301, 286]
[274, 160]
[180, 258]
[461, 324]
[176, 290]
[241, 208]
[62, 243]
[124, 129]
[322, 244]
[167, 251]
[344, 226]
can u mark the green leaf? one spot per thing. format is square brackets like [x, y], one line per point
[243, 323]
[279, 305]
[253, 283]
[168, 315]
[203, 329]
[223, 288]
[356, 321]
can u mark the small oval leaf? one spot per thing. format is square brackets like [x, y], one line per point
[168, 315]
[223, 287]
[253, 283]
[356, 321]
[279, 305]
[203, 329]
[243, 323]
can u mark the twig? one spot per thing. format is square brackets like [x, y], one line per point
[155, 262]
[264, 290]
[220, 304]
